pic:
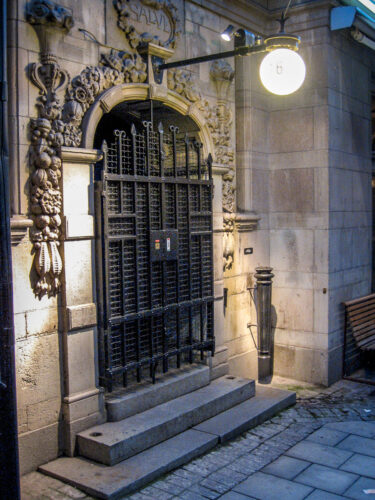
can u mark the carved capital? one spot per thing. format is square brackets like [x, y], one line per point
[50, 21]
[222, 75]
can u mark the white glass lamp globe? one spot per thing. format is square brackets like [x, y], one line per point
[282, 71]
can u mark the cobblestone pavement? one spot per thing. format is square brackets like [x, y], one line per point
[304, 452]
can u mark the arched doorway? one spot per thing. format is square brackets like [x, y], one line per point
[154, 242]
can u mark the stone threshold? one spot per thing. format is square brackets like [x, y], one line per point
[112, 482]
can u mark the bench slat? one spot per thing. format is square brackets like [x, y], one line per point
[359, 300]
[360, 319]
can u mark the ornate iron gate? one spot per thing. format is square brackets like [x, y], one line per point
[154, 253]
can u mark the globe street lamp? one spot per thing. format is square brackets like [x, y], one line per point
[281, 72]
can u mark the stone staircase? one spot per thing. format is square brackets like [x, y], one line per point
[185, 417]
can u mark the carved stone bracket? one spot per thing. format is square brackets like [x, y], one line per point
[245, 222]
[18, 228]
[49, 21]
[160, 16]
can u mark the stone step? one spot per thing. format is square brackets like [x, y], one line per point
[113, 482]
[102, 481]
[267, 403]
[113, 442]
[123, 404]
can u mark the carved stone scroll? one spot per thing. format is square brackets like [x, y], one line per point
[46, 140]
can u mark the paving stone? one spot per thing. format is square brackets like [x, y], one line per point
[360, 464]
[71, 492]
[356, 490]
[166, 486]
[359, 444]
[286, 467]
[191, 495]
[326, 478]
[213, 485]
[328, 437]
[224, 473]
[181, 481]
[323, 495]
[267, 487]
[365, 429]
[232, 495]
[205, 492]
[319, 453]
[157, 493]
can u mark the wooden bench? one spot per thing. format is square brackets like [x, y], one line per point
[360, 322]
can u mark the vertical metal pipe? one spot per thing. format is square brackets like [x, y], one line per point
[9, 470]
[264, 293]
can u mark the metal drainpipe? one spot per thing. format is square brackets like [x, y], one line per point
[264, 291]
[9, 470]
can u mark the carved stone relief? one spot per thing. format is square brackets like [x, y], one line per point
[45, 159]
[182, 82]
[228, 243]
[114, 69]
[160, 17]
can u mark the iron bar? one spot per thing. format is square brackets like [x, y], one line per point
[240, 51]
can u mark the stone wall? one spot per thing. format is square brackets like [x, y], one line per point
[303, 166]
[350, 240]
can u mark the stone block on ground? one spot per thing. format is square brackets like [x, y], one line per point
[319, 454]
[286, 467]
[358, 444]
[360, 464]
[267, 487]
[326, 478]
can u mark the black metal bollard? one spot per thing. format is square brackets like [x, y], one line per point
[264, 291]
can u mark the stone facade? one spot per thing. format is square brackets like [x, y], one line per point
[292, 179]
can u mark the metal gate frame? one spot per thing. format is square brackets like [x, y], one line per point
[140, 159]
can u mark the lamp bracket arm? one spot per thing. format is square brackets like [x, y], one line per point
[238, 51]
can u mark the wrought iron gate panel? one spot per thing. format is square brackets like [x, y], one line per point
[155, 252]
